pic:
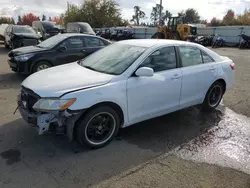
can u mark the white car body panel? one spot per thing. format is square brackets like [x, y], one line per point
[61, 79]
[140, 98]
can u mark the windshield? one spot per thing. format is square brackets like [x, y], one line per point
[113, 59]
[85, 28]
[52, 41]
[23, 29]
[48, 25]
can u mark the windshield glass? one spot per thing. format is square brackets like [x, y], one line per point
[23, 29]
[85, 28]
[113, 59]
[48, 25]
[52, 41]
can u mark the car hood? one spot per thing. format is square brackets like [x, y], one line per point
[56, 81]
[27, 35]
[25, 50]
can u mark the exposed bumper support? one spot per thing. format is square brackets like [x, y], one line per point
[45, 121]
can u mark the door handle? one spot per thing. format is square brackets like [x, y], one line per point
[176, 76]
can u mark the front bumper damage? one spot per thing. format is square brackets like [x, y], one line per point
[60, 122]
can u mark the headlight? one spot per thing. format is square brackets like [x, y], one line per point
[50, 104]
[23, 57]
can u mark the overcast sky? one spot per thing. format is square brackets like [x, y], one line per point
[206, 8]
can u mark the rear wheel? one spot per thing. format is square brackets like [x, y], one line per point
[98, 127]
[41, 66]
[213, 96]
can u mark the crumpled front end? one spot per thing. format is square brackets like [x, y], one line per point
[21, 41]
[60, 122]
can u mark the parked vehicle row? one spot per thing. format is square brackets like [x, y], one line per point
[122, 84]
[116, 34]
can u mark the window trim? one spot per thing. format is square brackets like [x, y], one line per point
[213, 61]
[179, 54]
[100, 40]
[178, 60]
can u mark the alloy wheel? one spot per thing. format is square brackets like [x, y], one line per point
[100, 128]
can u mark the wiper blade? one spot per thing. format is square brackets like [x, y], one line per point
[89, 67]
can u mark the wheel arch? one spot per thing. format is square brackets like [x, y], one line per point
[38, 61]
[113, 105]
[223, 82]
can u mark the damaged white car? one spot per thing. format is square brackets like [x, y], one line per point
[122, 84]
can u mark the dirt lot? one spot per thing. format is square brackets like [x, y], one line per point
[29, 160]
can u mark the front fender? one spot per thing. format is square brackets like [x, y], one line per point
[112, 92]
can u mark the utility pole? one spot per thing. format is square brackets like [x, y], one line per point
[160, 12]
[68, 6]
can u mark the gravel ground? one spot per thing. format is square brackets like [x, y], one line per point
[28, 160]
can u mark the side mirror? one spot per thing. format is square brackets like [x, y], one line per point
[62, 48]
[144, 71]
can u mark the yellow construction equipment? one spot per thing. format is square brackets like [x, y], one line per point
[176, 29]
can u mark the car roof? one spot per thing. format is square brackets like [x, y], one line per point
[148, 43]
[78, 34]
[153, 42]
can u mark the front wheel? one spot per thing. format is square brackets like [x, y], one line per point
[213, 96]
[41, 66]
[98, 127]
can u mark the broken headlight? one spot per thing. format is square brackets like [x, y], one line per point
[53, 104]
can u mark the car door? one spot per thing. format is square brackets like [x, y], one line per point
[74, 50]
[92, 44]
[149, 97]
[199, 72]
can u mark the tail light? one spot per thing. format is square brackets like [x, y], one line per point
[232, 65]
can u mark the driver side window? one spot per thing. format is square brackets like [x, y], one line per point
[161, 60]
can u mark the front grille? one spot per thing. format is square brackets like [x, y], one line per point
[28, 98]
[29, 42]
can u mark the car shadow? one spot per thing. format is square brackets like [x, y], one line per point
[11, 80]
[68, 162]
[3, 50]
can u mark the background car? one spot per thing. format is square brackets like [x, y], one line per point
[57, 50]
[79, 27]
[20, 35]
[46, 29]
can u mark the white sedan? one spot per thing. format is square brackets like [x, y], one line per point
[125, 83]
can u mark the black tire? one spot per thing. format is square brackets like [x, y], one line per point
[158, 35]
[6, 45]
[241, 45]
[214, 45]
[207, 104]
[83, 125]
[40, 64]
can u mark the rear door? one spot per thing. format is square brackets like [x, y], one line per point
[92, 44]
[199, 71]
[74, 50]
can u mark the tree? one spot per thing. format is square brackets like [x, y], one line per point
[167, 15]
[27, 19]
[155, 14]
[139, 14]
[57, 20]
[43, 17]
[6, 20]
[228, 19]
[98, 13]
[191, 16]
